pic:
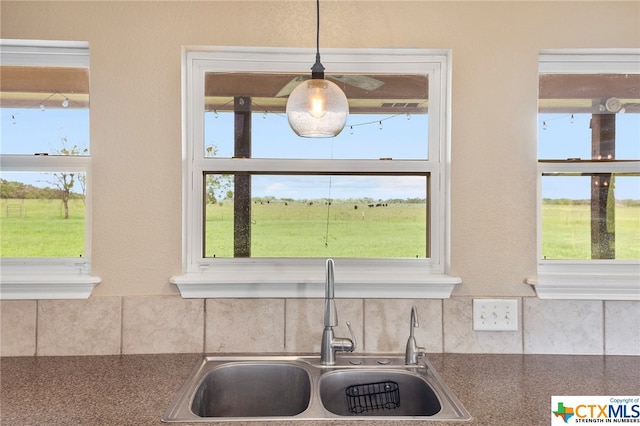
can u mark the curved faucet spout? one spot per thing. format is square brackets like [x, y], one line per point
[413, 351]
[329, 285]
[414, 321]
[331, 344]
[330, 311]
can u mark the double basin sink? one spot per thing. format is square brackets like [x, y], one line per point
[228, 388]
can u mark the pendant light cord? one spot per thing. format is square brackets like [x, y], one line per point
[318, 29]
[317, 70]
[326, 234]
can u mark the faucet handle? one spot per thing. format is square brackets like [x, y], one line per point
[353, 336]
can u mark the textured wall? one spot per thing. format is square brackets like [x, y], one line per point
[136, 147]
[135, 111]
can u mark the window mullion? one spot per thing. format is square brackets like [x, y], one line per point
[47, 67]
[588, 166]
[585, 226]
[232, 275]
[44, 163]
[285, 166]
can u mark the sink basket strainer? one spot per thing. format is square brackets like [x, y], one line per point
[373, 397]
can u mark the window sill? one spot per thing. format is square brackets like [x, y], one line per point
[621, 282]
[305, 279]
[44, 279]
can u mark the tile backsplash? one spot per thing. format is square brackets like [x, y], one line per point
[170, 324]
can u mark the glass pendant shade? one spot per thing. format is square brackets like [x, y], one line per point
[317, 108]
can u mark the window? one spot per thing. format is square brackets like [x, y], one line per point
[263, 208]
[589, 175]
[45, 159]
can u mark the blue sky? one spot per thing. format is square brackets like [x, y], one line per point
[364, 136]
[562, 136]
[390, 136]
[401, 136]
[27, 131]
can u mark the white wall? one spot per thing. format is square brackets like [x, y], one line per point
[135, 52]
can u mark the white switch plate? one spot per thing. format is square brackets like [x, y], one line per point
[495, 314]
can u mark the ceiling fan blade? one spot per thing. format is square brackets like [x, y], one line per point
[360, 81]
[288, 88]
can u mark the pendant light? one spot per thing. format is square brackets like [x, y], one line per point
[317, 108]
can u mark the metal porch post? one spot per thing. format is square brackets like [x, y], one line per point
[603, 147]
[242, 182]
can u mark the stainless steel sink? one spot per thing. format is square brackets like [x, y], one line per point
[252, 389]
[226, 388]
[379, 393]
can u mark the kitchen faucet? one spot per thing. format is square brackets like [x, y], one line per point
[331, 344]
[413, 351]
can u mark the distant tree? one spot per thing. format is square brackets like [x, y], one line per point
[217, 187]
[82, 179]
[64, 181]
[20, 190]
[10, 189]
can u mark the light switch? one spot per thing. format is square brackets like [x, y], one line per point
[495, 314]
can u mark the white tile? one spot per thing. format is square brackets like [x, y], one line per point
[79, 327]
[244, 325]
[459, 336]
[622, 327]
[562, 326]
[17, 327]
[387, 324]
[162, 324]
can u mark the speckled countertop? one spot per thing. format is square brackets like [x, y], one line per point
[136, 389]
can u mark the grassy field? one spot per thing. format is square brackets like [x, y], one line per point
[567, 232]
[34, 228]
[37, 228]
[300, 230]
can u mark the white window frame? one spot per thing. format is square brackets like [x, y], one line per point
[60, 277]
[301, 277]
[596, 279]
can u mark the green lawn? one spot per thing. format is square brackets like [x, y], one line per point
[300, 230]
[37, 228]
[567, 232]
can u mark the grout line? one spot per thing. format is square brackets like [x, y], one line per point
[284, 328]
[204, 325]
[521, 319]
[442, 325]
[364, 322]
[35, 350]
[122, 325]
[604, 327]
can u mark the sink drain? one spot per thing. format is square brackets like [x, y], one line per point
[373, 397]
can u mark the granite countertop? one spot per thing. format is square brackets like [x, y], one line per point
[137, 389]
